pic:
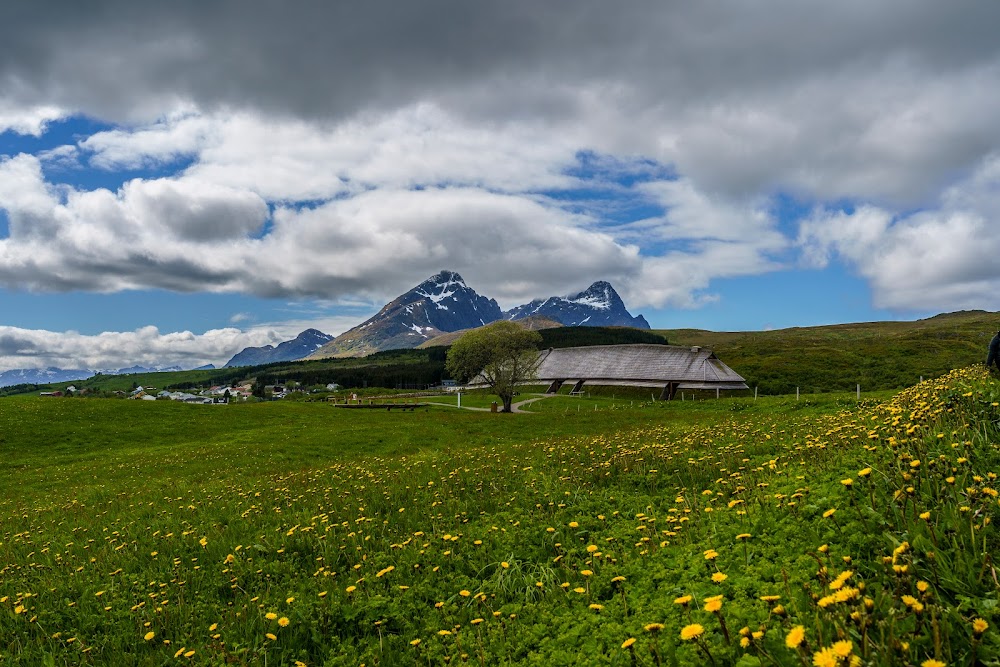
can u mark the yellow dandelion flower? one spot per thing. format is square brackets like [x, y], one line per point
[830, 512]
[843, 648]
[273, 637]
[683, 600]
[795, 636]
[444, 633]
[693, 631]
[628, 642]
[283, 621]
[653, 627]
[713, 605]
[931, 662]
[415, 642]
[979, 626]
[149, 635]
[719, 577]
[825, 658]
[270, 616]
[464, 593]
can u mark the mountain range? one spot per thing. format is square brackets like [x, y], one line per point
[52, 374]
[444, 303]
[299, 347]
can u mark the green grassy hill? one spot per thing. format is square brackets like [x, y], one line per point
[876, 355]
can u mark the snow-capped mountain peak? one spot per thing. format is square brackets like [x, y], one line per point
[440, 304]
[598, 305]
[444, 285]
[598, 295]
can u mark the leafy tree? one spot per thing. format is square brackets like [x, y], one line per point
[501, 354]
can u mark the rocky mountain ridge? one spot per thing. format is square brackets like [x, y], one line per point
[299, 347]
[597, 306]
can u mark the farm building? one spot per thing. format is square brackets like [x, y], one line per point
[666, 367]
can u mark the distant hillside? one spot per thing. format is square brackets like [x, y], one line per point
[557, 335]
[532, 323]
[877, 355]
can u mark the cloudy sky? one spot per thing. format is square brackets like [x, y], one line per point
[179, 180]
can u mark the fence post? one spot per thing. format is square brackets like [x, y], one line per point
[755, 393]
[796, 393]
[716, 393]
[459, 399]
[859, 392]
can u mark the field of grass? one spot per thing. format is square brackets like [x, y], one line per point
[824, 531]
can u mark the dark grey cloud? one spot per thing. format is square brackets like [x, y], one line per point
[882, 100]
[16, 345]
[118, 58]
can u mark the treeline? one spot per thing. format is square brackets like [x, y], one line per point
[22, 388]
[584, 336]
[409, 375]
[391, 368]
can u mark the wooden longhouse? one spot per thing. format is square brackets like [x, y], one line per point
[665, 367]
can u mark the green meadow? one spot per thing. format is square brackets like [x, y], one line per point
[599, 530]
